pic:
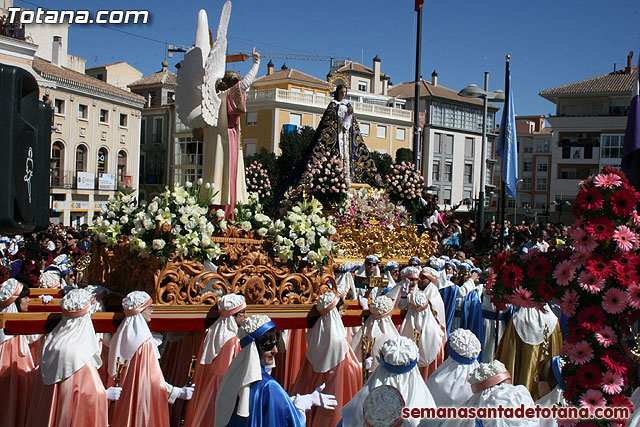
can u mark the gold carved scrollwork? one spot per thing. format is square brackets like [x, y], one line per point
[390, 244]
[245, 268]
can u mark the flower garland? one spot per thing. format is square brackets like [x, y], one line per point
[250, 216]
[258, 180]
[600, 292]
[116, 219]
[178, 222]
[325, 179]
[404, 185]
[303, 234]
[365, 209]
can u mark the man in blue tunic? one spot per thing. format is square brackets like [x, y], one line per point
[249, 396]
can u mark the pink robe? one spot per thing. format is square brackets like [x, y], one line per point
[426, 371]
[36, 349]
[175, 362]
[103, 372]
[16, 382]
[344, 381]
[288, 363]
[144, 400]
[77, 401]
[201, 409]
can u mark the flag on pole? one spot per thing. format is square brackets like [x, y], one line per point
[507, 146]
[418, 4]
[631, 147]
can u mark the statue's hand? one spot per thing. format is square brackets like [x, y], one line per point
[255, 55]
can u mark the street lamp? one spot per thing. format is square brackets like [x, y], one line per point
[473, 91]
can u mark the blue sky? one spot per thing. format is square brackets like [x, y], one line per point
[551, 43]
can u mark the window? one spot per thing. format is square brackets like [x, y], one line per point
[541, 184]
[448, 171]
[123, 179]
[58, 107]
[468, 173]
[188, 152]
[104, 116]
[448, 144]
[102, 160]
[611, 146]
[437, 113]
[566, 152]
[511, 203]
[542, 164]
[81, 158]
[435, 172]
[157, 130]
[365, 129]
[437, 143]
[252, 118]
[527, 166]
[57, 163]
[526, 184]
[362, 86]
[468, 147]
[568, 173]
[143, 131]
[542, 146]
[100, 76]
[527, 146]
[447, 196]
[466, 194]
[295, 119]
[124, 120]
[400, 134]
[83, 112]
[588, 152]
[381, 131]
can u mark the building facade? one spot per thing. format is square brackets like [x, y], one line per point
[534, 169]
[157, 127]
[451, 141]
[588, 131]
[291, 97]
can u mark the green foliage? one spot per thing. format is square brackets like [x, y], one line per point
[383, 163]
[292, 147]
[404, 155]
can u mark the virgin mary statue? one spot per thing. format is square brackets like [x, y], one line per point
[339, 134]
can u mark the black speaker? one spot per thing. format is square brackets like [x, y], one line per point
[25, 144]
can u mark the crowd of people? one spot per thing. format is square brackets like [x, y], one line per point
[12, 29]
[451, 349]
[45, 259]
[455, 234]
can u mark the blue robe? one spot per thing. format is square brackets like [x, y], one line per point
[472, 316]
[269, 406]
[449, 295]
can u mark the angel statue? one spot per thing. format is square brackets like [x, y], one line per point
[210, 102]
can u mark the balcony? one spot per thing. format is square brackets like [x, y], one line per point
[321, 101]
[68, 180]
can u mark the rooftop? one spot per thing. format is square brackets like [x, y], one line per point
[617, 82]
[47, 70]
[357, 67]
[407, 90]
[291, 74]
[162, 77]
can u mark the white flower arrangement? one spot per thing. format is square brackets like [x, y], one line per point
[117, 218]
[363, 207]
[250, 216]
[304, 234]
[404, 185]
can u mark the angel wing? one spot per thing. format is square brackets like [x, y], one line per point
[191, 77]
[214, 69]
